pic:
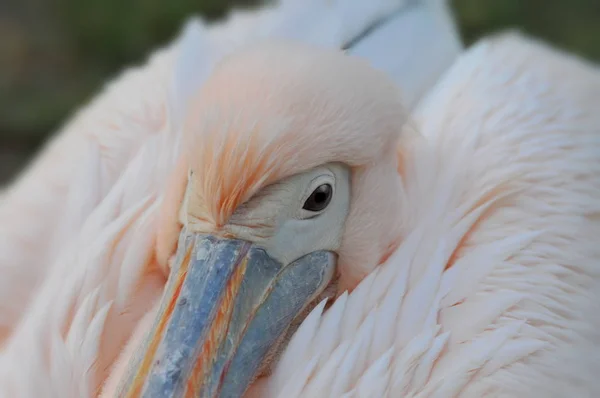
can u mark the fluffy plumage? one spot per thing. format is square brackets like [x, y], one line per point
[493, 288]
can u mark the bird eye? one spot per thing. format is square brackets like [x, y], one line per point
[319, 199]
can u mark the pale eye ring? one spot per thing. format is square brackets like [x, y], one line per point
[319, 199]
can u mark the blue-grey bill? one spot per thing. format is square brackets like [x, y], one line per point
[226, 306]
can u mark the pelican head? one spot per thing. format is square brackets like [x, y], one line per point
[287, 194]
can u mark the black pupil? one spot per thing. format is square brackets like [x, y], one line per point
[319, 199]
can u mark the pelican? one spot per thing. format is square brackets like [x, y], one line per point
[285, 225]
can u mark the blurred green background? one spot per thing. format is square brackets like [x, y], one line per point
[55, 54]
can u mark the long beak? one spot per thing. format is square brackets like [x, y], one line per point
[225, 308]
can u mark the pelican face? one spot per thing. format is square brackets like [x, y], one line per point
[290, 151]
[233, 299]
